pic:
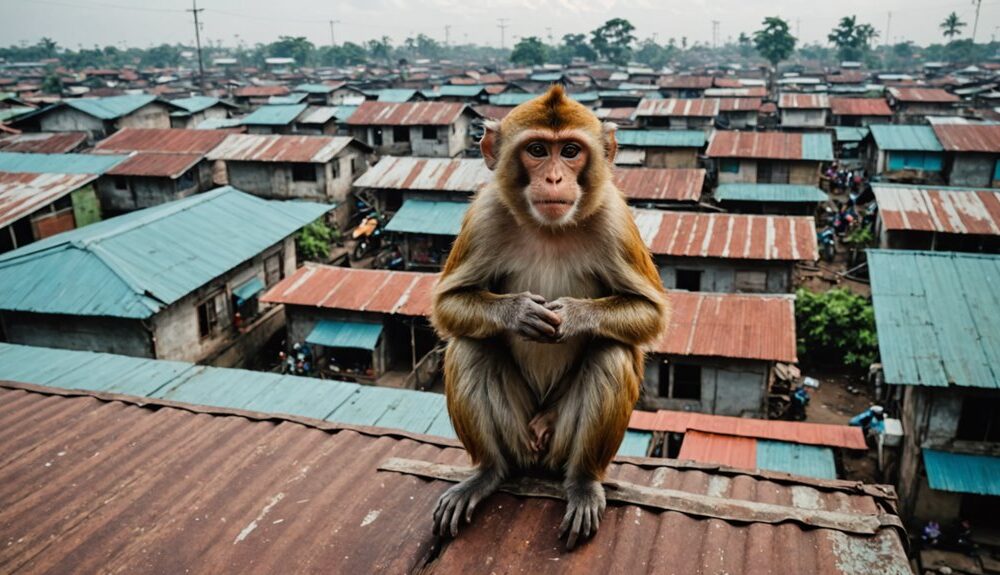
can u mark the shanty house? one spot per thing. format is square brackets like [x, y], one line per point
[427, 229]
[807, 111]
[847, 143]
[364, 325]
[323, 120]
[910, 154]
[913, 105]
[396, 179]
[790, 199]
[432, 129]
[701, 252]
[197, 109]
[273, 119]
[677, 114]
[177, 281]
[44, 194]
[684, 86]
[100, 117]
[938, 322]
[317, 94]
[937, 219]
[769, 157]
[659, 148]
[250, 97]
[717, 355]
[859, 111]
[739, 113]
[972, 153]
[44, 142]
[673, 188]
[320, 168]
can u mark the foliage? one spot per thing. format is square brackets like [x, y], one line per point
[381, 49]
[835, 327]
[859, 237]
[746, 45]
[952, 26]
[774, 42]
[613, 40]
[529, 51]
[297, 47]
[575, 46]
[313, 242]
[654, 55]
[852, 40]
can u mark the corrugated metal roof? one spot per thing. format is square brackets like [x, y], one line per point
[323, 114]
[406, 113]
[771, 146]
[43, 143]
[261, 91]
[938, 317]
[740, 104]
[279, 148]
[197, 491]
[769, 193]
[396, 95]
[155, 165]
[730, 325]
[731, 450]
[134, 265]
[314, 88]
[661, 138]
[731, 236]
[676, 185]
[274, 115]
[686, 82]
[953, 211]
[969, 137]
[860, 107]
[799, 101]
[293, 98]
[428, 217]
[615, 114]
[689, 107]
[111, 107]
[167, 140]
[349, 334]
[823, 434]
[23, 194]
[962, 473]
[905, 138]
[929, 95]
[380, 291]
[849, 133]
[426, 174]
[197, 104]
[746, 92]
[57, 163]
[453, 91]
[797, 459]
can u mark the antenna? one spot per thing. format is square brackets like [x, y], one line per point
[975, 25]
[715, 33]
[502, 25]
[447, 34]
[333, 38]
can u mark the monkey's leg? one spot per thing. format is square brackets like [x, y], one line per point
[593, 417]
[490, 405]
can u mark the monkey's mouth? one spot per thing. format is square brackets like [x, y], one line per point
[552, 210]
[552, 202]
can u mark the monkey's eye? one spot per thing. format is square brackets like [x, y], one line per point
[537, 150]
[570, 151]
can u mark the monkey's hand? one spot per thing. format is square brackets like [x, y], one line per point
[528, 317]
[577, 316]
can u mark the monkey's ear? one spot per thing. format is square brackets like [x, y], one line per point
[489, 144]
[610, 143]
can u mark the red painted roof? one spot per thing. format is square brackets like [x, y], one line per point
[795, 101]
[764, 145]
[156, 165]
[931, 95]
[860, 107]
[616, 114]
[969, 137]
[739, 104]
[685, 107]
[261, 91]
[678, 185]
[371, 113]
[43, 143]
[168, 140]
[939, 210]
[492, 112]
[381, 291]
[731, 236]
[730, 450]
[280, 148]
[792, 431]
[686, 82]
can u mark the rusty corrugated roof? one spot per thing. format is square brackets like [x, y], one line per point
[371, 113]
[732, 236]
[492, 112]
[22, 194]
[687, 107]
[860, 107]
[106, 484]
[155, 165]
[953, 211]
[792, 431]
[426, 174]
[730, 325]
[381, 291]
[731, 450]
[164, 140]
[261, 91]
[673, 184]
[968, 137]
[43, 143]
[771, 145]
[928, 95]
[279, 148]
[798, 101]
[686, 82]
[739, 104]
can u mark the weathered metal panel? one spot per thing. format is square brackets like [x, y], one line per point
[330, 333]
[279, 148]
[962, 473]
[968, 137]
[162, 140]
[426, 174]
[769, 193]
[261, 91]
[771, 146]
[688, 107]
[849, 133]
[938, 317]
[274, 115]
[156, 165]
[43, 143]
[372, 113]
[800, 101]
[859, 107]
[381, 291]
[922, 95]
[57, 163]
[196, 104]
[428, 217]
[731, 450]
[23, 194]
[740, 104]
[905, 138]
[954, 211]
[797, 459]
[686, 82]
[676, 185]
[661, 138]
[111, 107]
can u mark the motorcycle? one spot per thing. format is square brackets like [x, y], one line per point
[389, 258]
[368, 235]
[827, 244]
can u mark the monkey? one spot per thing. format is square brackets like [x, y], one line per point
[547, 301]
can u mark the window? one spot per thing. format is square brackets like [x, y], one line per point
[750, 281]
[186, 181]
[430, 132]
[729, 166]
[689, 280]
[980, 419]
[680, 381]
[772, 173]
[377, 136]
[211, 314]
[355, 162]
[273, 269]
[303, 173]
[401, 134]
[120, 183]
[335, 168]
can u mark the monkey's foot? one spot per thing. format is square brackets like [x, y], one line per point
[462, 499]
[584, 509]
[541, 427]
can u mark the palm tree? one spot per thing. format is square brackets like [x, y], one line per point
[952, 26]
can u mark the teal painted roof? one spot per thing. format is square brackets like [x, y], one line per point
[342, 113]
[395, 95]
[849, 133]
[769, 193]
[134, 265]
[510, 98]
[275, 114]
[905, 138]
[58, 163]
[546, 77]
[962, 473]
[460, 91]
[7, 114]
[293, 98]
[937, 316]
[796, 458]
[219, 123]
[330, 400]
[661, 138]
[818, 147]
[111, 107]
[428, 217]
[196, 103]
[351, 334]
[248, 289]
[585, 97]
[313, 88]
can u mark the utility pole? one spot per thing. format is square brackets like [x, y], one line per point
[333, 39]
[975, 24]
[197, 41]
[798, 28]
[447, 34]
[548, 30]
[502, 25]
[715, 33]
[888, 26]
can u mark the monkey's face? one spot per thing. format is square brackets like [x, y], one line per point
[553, 164]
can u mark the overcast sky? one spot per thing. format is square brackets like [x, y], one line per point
[143, 23]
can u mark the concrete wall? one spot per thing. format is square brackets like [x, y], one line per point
[719, 275]
[799, 172]
[728, 387]
[273, 180]
[450, 142]
[803, 118]
[740, 120]
[153, 115]
[142, 192]
[69, 119]
[85, 333]
[671, 158]
[192, 121]
[972, 170]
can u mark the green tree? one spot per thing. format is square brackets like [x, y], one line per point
[852, 40]
[529, 51]
[428, 47]
[297, 47]
[952, 26]
[162, 56]
[575, 46]
[746, 45]
[313, 242]
[774, 42]
[613, 40]
[836, 327]
[651, 54]
[48, 47]
[52, 84]
[381, 50]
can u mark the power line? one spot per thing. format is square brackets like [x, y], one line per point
[502, 25]
[197, 40]
[975, 25]
[333, 38]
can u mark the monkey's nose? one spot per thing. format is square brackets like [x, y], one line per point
[554, 178]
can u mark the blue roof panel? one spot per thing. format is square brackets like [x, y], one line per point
[395, 95]
[778, 193]
[196, 104]
[58, 163]
[274, 115]
[961, 473]
[661, 138]
[428, 217]
[248, 289]
[111, 107]
[915, 138]
[314, 88]
[818, 147]
[349, 334]
[796, 458]
[636, 443]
